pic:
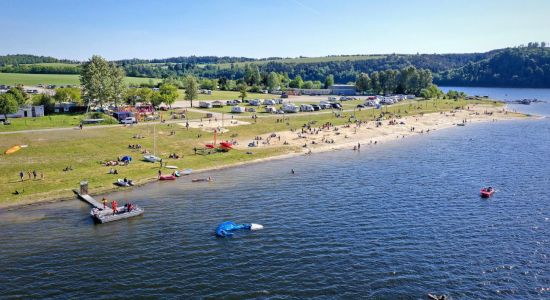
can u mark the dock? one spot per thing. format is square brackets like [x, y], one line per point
[101, 215]
[87, 198]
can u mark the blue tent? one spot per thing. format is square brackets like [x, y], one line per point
[126, 158]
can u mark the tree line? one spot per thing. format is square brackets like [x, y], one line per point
[408, 80]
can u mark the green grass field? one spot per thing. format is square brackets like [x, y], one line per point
[53, 65]
[55, 79]
[50, 152]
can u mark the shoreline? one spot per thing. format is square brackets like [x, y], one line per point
[343, 138]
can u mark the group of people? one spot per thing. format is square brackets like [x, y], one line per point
[174, 156]
[31, 175]
[136, 146]
[128, 207]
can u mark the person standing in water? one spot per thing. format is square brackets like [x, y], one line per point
[292, 171]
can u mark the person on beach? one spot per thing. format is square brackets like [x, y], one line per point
[29, 173]
[21, 175]
[34, 174]
[160, 173]
[292, 171]
[104, 203]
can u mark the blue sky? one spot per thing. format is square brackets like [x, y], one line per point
[260, 28]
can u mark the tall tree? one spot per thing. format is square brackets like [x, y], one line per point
[67, 94]
[169, 93]
[363, 82]
[19, 95]
[191, 88]
[375, 82]
[297, 82]
[46, 100]
[118, 86]
[329, 81]
[95, 79]
[156, 99]
[242, 91]
[8, 105]
[273, 81]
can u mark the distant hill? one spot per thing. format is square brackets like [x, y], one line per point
[512, 67]
[509, 67]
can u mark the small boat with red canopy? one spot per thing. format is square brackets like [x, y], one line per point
[487, 192]
[167, 177]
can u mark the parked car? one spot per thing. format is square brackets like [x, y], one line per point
[361, 106]
[316, 107]
[269, 102]
[306, 107]
[128, 120]
[325, 105]
[336, 105]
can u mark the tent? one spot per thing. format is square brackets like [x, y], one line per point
[126, 158]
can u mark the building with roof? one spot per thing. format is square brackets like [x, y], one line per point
[343, 89]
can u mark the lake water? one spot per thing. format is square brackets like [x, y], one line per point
[397, 220]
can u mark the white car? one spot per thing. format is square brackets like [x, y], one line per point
[129, 120]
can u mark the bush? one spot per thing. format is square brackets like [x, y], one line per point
[99, 115]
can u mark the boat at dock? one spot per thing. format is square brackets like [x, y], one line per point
[104, 215]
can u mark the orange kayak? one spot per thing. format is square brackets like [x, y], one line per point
[13, 149]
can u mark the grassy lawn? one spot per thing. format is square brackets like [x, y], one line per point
[72, 120]
[50, 152]
[55, 79]
[51, 121]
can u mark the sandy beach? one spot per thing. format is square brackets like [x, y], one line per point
[319, 139]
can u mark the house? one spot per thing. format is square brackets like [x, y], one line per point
[63, 107]
[217, 103]
[237, 109]
[343, 89]
[203, 104]
[27, 112]
[312, 92]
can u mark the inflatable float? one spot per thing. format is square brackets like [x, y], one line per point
[15, 149]
[225, 229]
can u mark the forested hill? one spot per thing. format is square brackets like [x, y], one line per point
[512, 67]
[18, 59]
